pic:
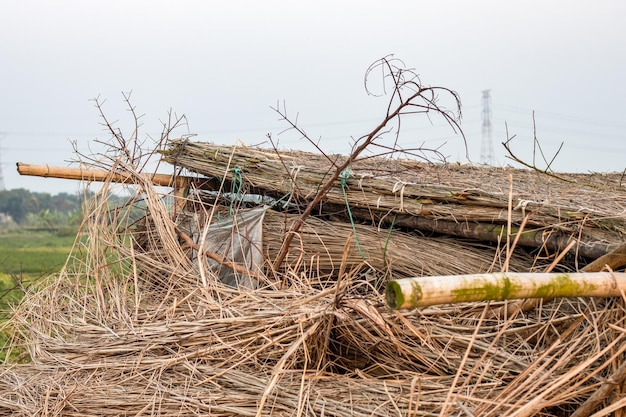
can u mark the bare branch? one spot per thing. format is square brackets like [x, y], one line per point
[293, 125]
[407, 94]
[547, 171]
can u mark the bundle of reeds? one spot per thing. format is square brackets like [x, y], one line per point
[455, 200]
[103, 342]
[136, 324]
[322, 247]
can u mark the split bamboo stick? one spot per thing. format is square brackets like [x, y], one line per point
[409, 293]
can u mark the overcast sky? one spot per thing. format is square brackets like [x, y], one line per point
[223, 64]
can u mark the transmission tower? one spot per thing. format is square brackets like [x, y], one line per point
[1, 175]
[486, 146]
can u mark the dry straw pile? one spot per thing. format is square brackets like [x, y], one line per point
[138, 324]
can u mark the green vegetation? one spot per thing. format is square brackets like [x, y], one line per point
[25, 208]
[25, 257]
[9, 295]
[37, 233]
[33, 253]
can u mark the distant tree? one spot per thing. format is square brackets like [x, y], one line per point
[18, 203]
[65, 203]
[43, 200]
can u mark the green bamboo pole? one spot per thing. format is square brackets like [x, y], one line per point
[409, 293]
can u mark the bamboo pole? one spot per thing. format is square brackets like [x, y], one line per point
[48, 171]
[411, 293]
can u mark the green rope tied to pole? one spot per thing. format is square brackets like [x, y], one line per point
[343, 176]
[235, 189]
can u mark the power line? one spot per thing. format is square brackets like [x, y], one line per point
[560, 116]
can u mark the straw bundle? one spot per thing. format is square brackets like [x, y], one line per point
[323, 246]
[137, 325]
[590, 207]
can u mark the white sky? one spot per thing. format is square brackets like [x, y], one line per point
[223, 64]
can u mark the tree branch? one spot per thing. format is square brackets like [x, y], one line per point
[402, 79]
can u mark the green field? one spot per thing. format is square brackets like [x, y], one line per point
[33, 254]
[27, 256]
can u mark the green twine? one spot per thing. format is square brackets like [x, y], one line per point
[393, 222]
[343, 176]
[235, 188]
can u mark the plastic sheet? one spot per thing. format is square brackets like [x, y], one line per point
[238, 239]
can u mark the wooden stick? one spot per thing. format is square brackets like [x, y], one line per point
[608, 385]
[411, 293]
[612, 260]
[97, 175]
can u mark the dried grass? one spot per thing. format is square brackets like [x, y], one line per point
[319, 250]
[591, 205]
[134, 326]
